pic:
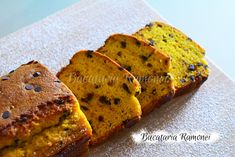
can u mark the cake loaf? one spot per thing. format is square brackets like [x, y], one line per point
[149, 66]
[189, 67]
[39, 115]
[106, 92]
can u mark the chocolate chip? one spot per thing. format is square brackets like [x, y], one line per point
[144, 58]
[189, 39]
[206, 66]
[137, 93]
[143, 90]
[89, 53]
[66, 129]
[36, 74]
[151, 42]
[116, 101]
[123, 44]
[154, 91]
[199, 64]
[28, 87]
[192, 78]
[59, 101]
[119, 53]
[121, 68]
[182, 80]
[149, 25]
[11, 71]
[88, 98]
[57, 81]
[101, 118]
[111, 82]
[149, 65]
[191, 67]
[84, 108]
[4, 78]
[97, 86]
[137, 43]
[164, 40]
[159, 25]
[6, 115]
[105, 100]
[171, 35]
[128, 68]
[23, 118]
[38, 89]
[125, 87]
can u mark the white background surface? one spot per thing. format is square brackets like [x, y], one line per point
[209, 22]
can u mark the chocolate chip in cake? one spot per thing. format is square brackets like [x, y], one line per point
[191, 67]
[128, 68]
[154, 91]
[171, 35]
[159, 25]
[144, 58]
[38, 89]
[119, 53]
[11, 71]
[206, 66]
[151, 42]
[88, 97]
[126, 88]
[117, 101]
[57, 81]
[4, 78]
[149, 25]
[182, 80]
[137, 43]
[189, 39]
[111, 82]
[192, 78]
[84, 108]
[199, 64]
[105, 100]
[149, 65]
[23, 118]
[89, 53]
[137, 93]
[36, 74]
[6, 115]
[143, 90]
[123, 44]
[29, 87]
[164, 40]
[59, 101]
[97, 86]
[101, 118]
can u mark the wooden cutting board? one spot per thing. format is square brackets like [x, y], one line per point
[86, 25]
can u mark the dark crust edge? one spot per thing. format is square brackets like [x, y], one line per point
[128, 124]
[78, 148]
[157, 103]
[190, 87]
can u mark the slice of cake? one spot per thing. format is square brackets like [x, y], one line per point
[189, 68]
[105, 91]
[149, 66]
[39, 115]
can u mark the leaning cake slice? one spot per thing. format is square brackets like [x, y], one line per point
[150, 67]
[39, 115]
[105, 91]
[189, 68]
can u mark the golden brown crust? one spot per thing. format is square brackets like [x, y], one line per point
[76, 149]
[29, 95]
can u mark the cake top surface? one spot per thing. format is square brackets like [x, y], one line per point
[24, 92]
